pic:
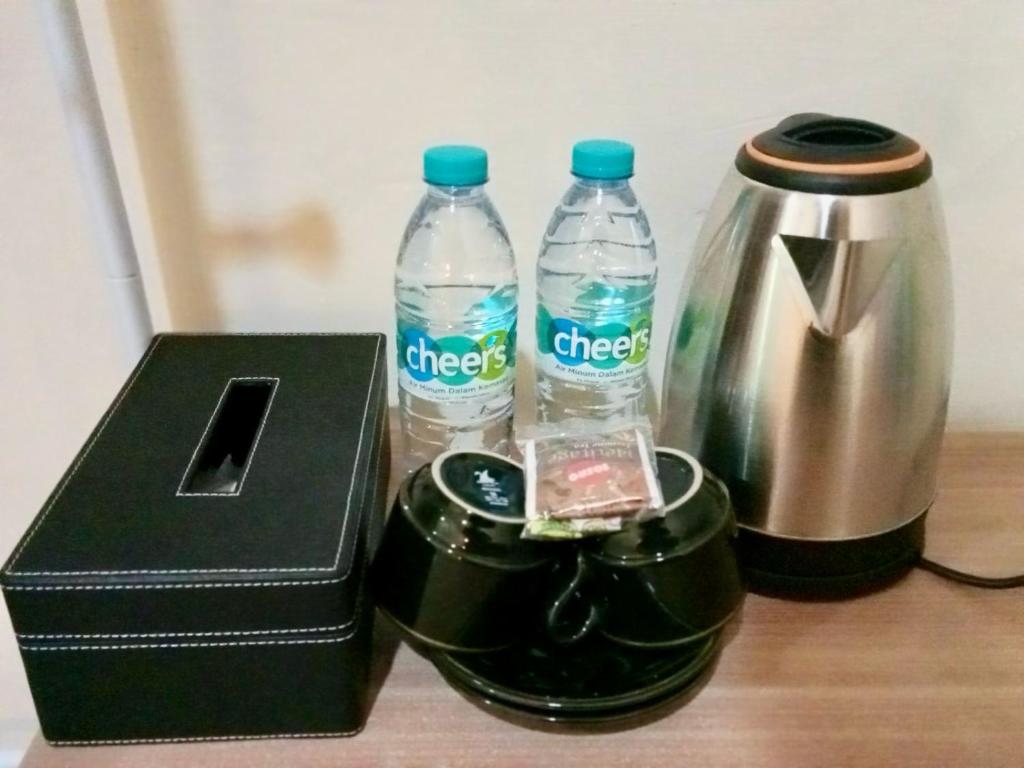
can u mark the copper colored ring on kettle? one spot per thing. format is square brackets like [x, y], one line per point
[822, 154]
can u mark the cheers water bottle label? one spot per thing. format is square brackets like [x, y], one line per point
[606, 351]
[453, 368]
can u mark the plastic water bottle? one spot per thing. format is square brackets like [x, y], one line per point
[596, 276]
[455, 300]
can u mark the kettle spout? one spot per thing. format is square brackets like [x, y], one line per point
[839, 279]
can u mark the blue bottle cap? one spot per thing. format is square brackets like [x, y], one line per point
[455, 165]
[602, 159]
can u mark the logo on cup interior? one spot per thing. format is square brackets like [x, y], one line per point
[604, 346]
[456, 360]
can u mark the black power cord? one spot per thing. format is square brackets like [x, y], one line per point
[985, 582]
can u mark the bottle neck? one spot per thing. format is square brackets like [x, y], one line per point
[600, 184]
[456, 195]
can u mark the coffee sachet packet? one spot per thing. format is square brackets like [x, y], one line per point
[583, 480]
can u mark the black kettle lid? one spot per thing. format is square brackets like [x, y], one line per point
[824, 154]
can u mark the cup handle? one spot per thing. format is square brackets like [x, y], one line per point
[560, 630]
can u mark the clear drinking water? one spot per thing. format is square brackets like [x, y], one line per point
[596, 276]
[455, 299]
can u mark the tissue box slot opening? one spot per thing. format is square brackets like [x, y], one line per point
[221, 461]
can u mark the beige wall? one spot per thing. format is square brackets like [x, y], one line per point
[270, 156]
[278, 143]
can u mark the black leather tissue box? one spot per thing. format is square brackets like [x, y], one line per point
[198, 573]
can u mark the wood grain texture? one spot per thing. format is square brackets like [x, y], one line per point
[925, 673]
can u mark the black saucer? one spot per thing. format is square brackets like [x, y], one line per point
[595, 680]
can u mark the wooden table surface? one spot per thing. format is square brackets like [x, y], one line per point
[925, 673]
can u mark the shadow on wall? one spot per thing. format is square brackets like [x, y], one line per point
[305, 234]
[189, 247]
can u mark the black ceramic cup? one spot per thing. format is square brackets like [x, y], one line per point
[664, 582]
[452, 569]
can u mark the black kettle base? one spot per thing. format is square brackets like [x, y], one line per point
[801, 568]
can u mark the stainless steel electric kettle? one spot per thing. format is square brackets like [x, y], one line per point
[810, 361]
